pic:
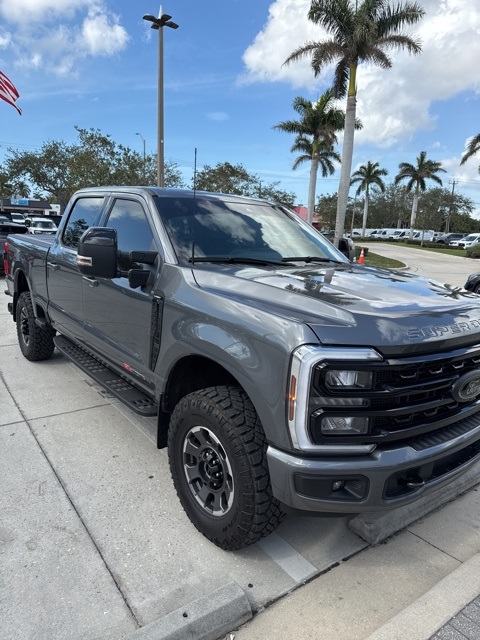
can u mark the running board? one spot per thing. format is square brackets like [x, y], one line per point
[122, 389]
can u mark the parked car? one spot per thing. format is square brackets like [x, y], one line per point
[473, 283]
[41, 225]
[18, 218]
[448, 238]
[6, 228]
[469, 241]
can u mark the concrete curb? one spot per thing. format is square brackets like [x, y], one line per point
[207, 618]
[424, 617]
[376, 527]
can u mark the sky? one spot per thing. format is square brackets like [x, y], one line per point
[94, 64]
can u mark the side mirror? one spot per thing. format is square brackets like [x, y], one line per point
[97, 253]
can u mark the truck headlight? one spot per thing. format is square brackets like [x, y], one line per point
[348, 379]
[340, 425]
[324, 383]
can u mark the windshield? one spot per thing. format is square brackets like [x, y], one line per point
[470, 238]
[222, 228]
[43, 224]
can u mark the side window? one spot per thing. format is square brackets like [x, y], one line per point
[133, 231]
[85, 214]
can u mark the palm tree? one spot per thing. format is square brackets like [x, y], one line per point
[319, 121]
[472, 149]
[416, 177]
[361, 31]
[321, 157]
[368, 174]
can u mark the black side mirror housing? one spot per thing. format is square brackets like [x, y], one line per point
[97, 253]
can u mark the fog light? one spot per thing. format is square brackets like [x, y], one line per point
[343, 424]
[338, 485]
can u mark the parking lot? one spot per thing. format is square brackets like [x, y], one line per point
[94, 541]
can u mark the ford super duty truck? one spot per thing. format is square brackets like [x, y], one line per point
[280, 373]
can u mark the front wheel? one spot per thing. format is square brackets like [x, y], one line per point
[36, 343]
[216, 450]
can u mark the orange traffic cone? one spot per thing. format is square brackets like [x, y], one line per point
[361, 259]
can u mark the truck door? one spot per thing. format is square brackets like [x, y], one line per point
[118, 318]
[64, 280]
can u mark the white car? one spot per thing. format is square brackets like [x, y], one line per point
[17, 217]
[469, 241]
[41, 225]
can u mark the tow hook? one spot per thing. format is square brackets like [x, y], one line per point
[413, 482]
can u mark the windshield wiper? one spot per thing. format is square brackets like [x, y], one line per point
[310, 259]
[238, 260]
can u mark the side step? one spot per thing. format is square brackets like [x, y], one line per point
[122, 389]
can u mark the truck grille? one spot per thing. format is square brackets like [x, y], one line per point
[408, 397]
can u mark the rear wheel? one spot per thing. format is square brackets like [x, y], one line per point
[216, 449]
[36, 343]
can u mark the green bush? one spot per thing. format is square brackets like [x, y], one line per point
[473, 252]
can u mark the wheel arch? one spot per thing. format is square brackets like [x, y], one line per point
[190, 373]
[22, 284]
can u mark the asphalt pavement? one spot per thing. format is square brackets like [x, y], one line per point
[95, 545]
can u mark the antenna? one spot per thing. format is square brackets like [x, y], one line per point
[194, 204]
[195, 173]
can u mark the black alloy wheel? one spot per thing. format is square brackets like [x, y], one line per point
[217, 456]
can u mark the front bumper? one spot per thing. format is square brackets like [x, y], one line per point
[388, 477]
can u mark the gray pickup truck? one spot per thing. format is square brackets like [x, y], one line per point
[280, 373]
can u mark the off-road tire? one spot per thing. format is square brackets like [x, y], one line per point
[220, 424]
[36, 343]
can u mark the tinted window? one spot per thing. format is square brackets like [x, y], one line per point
[239, 229]
[133, 231]
[85, 214]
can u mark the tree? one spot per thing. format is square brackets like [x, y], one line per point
[235, 179]
[361, 31]
[316, 128]
[59, 169]
[368, 175]
[326, 210]
[49, 169]
[472, 149]
[416, 177]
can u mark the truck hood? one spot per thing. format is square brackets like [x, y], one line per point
[355, 305]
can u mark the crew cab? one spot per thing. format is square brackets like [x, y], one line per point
[281, 374]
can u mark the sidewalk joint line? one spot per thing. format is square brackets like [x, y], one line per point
[57, 476]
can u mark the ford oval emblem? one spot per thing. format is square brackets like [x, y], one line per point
[467, 387]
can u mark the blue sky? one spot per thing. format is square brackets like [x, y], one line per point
[93, 63]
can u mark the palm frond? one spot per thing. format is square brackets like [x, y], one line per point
[472, 148]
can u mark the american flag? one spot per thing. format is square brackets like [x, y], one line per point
[8, 92]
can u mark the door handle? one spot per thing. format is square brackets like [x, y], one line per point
[53, 266]
[91, 281]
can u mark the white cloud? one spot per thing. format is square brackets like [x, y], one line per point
[392, 104]
[38, 10]
[101, 36]
[60, 33]
[5, 39]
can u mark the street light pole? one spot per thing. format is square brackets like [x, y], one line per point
[144, 159]
[163, 20]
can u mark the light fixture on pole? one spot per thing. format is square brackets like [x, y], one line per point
[144, 159]
[163, 20]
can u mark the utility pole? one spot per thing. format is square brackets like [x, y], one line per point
[447, 223]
